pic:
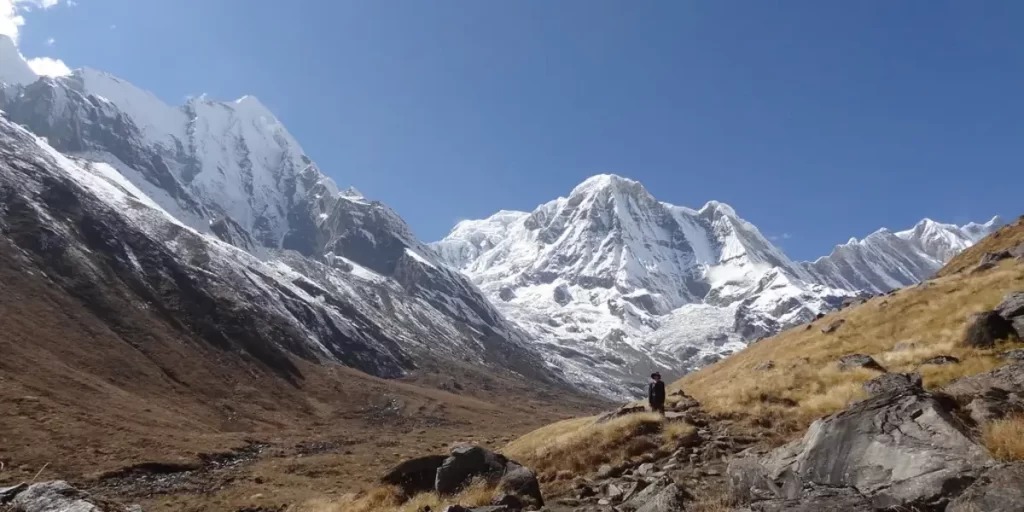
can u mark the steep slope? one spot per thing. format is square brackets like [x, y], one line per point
[615, 284]
[1009, 238]
[885, 260]
[232, 171]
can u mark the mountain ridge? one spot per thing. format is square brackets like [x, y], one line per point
[598, 273]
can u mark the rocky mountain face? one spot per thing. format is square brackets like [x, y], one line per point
[614, 283]
[214, 215]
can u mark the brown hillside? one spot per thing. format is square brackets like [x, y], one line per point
[1004, 239]
[80, 397]
[805, 382]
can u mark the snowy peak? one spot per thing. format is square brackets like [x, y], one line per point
[885, 260]
[13, 68]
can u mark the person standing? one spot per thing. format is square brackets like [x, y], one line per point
[656, 393]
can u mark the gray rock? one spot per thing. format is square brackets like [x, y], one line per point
[985, 329]
[1009, 377]
[995, 404]
[941, 360]
[994, 257]
[852, 361]
[820, 499]
[508, 500]
[415, 475]
[56, 496]
[7, 493]
[607, 471]
[1016, 354]
[614, 492]
[648, 493]
[1001, 489]
[522, 482]
[645, 469]
[890, 382]
[764, 366]
[904, 345]
[1012, 305]
[899, 449]
[671, 499]
[833, 326]
[465, 463]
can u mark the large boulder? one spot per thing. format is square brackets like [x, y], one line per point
[56, 496]
[1001, 489]
[901, 449]
[465, 463]
[521, 482]
[985, 329]
[415, 475]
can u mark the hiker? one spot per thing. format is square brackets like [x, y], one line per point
[656, 393]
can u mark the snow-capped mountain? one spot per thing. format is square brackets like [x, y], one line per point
[614, 283]
[885, 260]
[220, 197]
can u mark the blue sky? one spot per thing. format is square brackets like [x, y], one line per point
[820, 120]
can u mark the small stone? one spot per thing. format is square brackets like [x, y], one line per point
[605, 471]
[603, 502]
[645, 469]
[764, 366]
[941, 360]
[851, 361]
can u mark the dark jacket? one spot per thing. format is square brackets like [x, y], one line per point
[656, 392]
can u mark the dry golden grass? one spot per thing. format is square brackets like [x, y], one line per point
[711, 502]
[1005, 438]
[805, 383]
[386, 499]
[580, 446]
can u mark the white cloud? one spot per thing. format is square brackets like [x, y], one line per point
[11, 22]
[11, 19]
[45, 66]
[784, 236]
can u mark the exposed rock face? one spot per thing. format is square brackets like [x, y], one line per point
[56, 496]
[449, 474]
[899, 449]
[817, 499]
[893, 382]
[1000, 489]
[465, 463]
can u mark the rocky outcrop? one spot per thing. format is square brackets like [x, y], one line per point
[893, 382]
[905, 448]
[55, 496]
[447, 475]
[1000, 489]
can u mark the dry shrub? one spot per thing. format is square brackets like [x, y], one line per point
[387, 499]
[710, 501]
[580, 446]
[1005, 438]
[805, 383]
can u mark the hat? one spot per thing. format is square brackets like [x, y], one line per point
[655, 375]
